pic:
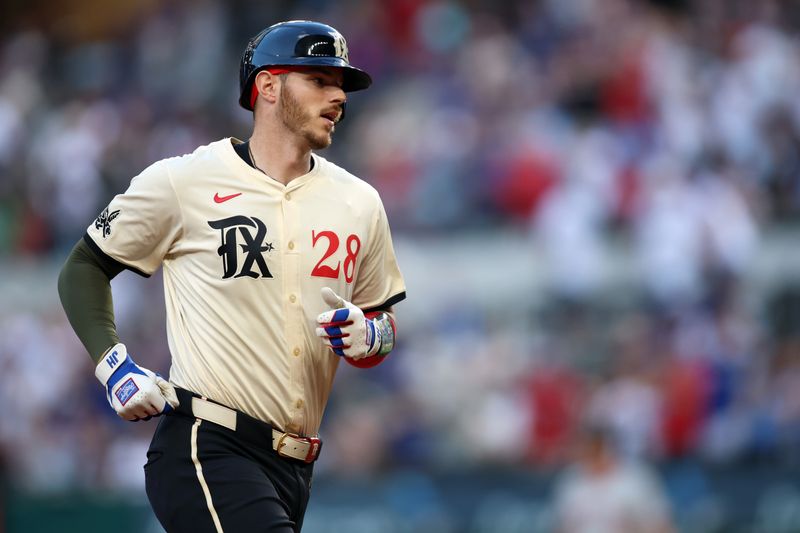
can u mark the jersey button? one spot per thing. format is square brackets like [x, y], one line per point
[288, 196]
[292, 298]
[299, 404]
[291, 245]
[296, 352]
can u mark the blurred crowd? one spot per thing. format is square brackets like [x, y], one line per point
[669, 128]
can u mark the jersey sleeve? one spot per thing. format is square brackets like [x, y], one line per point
[139, 226]
[379, 283]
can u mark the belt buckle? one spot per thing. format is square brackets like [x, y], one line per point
[314, 444]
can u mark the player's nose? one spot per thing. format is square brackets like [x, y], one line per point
[337, 95]
[339, 101]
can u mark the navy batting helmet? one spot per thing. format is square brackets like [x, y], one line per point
[297, 43]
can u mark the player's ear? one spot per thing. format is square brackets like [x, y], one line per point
[266, 85]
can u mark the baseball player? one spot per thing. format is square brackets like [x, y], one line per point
[277, 264]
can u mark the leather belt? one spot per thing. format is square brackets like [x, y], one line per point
[290, 445]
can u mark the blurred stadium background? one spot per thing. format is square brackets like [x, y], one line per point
[595, 204]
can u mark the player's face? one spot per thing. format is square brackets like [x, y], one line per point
[310, 103]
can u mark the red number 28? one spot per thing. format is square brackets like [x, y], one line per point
[352, 246]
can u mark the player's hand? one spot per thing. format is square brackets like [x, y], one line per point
[346, 330]
[134, 392]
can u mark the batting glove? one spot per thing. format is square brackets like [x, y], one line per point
[346, 330]
[134, 392]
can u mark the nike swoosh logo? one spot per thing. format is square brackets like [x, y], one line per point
[219, 199]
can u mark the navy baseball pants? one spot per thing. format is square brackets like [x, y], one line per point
[202, 477]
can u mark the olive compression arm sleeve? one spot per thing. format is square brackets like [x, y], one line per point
[85, 291]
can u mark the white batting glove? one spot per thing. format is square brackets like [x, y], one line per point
[134, 392]
[345, 329]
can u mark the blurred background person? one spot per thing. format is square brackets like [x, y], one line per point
[601, 492]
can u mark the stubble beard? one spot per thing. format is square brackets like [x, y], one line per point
[298, 121]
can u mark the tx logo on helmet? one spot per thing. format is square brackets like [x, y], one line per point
[253, 232]
[340, 46]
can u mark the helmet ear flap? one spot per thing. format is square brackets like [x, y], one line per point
[253, 95]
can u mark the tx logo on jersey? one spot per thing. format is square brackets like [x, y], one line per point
[253, 232]
[104, 221]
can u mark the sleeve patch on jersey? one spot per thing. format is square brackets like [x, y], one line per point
[126, 391]
[103, 222]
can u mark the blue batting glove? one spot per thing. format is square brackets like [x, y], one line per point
[135, 393]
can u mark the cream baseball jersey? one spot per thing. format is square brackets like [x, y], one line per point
[244, 260]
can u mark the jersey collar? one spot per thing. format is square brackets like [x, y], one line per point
[242, 168]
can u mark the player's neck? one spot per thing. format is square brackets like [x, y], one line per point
[280, 160]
